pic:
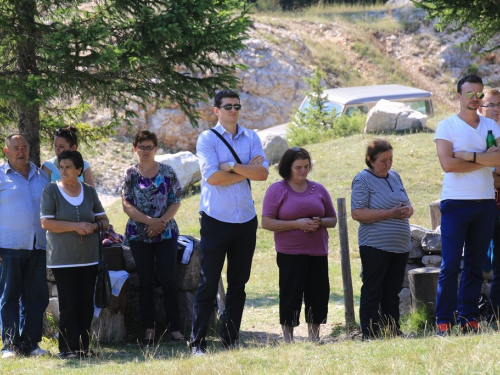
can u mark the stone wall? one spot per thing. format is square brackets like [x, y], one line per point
[426, 252]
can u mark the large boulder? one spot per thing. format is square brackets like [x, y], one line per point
[388, 116]
[274, 147]
[185, 165]
[432, 243]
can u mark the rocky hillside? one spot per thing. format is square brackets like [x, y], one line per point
[394, 45]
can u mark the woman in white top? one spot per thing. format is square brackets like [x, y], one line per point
[70, 210]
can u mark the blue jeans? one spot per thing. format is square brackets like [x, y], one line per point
[494, 303]
[466, 225]
[25, 296]
[219, 239]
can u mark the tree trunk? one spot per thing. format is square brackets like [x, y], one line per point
[29, 127]
[28, 110]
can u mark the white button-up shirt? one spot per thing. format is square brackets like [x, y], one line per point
[229, 203]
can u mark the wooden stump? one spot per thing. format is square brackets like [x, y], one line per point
[188, 275]
[345, 263]
[110, 326]
[435, 212]
[423, 288]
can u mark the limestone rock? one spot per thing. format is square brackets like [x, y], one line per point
[404, 301]
[274, 147]
[418, 232]
[53, 309]
[432, 243]
[416, 251]
[185, 165]
[388, 116]
[432, 261]
[269, 90]
[50, 275]
[53, 290]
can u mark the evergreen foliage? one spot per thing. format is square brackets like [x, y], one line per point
[482, 16]
[111, 53]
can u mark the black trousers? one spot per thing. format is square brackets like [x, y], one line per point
[219, 239]
[303, 276]
[383, 275]
[164, 254]
[75, 289]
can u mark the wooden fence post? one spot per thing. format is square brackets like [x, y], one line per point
[345, 262]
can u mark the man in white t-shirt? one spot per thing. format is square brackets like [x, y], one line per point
[468, 207]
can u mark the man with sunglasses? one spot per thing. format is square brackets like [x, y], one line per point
[468, 207]
[490, 108]
[228, 218]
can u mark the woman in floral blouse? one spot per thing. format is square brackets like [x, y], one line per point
[151, 196]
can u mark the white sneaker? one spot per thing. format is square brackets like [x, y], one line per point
[38, 352]
[8, 354]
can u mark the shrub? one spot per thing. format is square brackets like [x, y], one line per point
[317, 123]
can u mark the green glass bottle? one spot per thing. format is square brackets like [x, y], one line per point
[490, 140]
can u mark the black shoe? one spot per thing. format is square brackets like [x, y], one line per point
[196, 351]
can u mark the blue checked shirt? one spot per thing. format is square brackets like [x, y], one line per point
[20, 208]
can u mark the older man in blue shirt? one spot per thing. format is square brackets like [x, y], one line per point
[22, 250]
[228, 218]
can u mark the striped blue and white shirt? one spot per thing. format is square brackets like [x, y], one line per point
[381, 193]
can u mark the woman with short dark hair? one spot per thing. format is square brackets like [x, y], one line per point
[151, 196]
[299, 211]
[380, 203]
[70, 210]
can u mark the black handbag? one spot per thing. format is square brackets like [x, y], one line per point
[103, 284]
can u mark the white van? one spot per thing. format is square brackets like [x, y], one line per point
[346, 100]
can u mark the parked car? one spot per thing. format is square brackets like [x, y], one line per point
[346, 100]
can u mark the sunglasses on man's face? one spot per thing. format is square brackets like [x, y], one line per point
[470, 94]
[228, 107]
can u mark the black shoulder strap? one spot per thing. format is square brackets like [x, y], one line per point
[230, 149]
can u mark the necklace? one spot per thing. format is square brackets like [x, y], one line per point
[146, 170]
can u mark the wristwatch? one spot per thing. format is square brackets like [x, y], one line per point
[231, 166]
